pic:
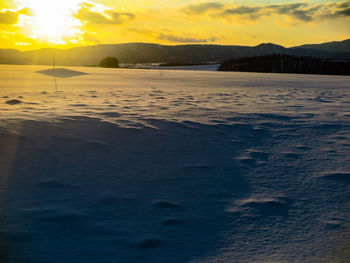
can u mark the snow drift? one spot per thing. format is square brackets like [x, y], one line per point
[173, 166]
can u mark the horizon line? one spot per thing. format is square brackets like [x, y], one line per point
[169, 45]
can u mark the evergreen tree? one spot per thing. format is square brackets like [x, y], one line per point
[109, 62]
[281, 63]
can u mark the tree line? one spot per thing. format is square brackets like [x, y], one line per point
[281, 63]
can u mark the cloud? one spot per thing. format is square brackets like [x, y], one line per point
[8, 17]
[251, 12]
[202, 7]
[242, 10]
[337, 10]
[300, 11]
[93, 15]
[345, 12]
[184, 39]
[119, 18]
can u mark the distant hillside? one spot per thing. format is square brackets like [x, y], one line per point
[153, 53]
[336, 46]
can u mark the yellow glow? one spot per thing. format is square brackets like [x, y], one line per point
[52, 21]
[33, 24]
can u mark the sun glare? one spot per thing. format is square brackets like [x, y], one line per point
[53, 21]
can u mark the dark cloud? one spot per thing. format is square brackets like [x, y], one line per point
[8, 17]
[202, 7]
[241, 10]
[286, 9]
[345, 12]
[341, 5]
[88, 14]
[339, 10]
[119, 18]
[302, 15]
[300, 11]
[184, 39]
[251, 12]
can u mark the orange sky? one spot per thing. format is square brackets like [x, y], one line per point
[31, 24]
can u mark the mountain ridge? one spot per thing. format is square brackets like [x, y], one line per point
[343, 46]
[139, 52]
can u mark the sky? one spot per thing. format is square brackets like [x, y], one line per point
[33, 24]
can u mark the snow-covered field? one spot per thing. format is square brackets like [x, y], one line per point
[173, 166]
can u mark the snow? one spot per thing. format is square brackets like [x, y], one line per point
[61, 72]
[121, 165]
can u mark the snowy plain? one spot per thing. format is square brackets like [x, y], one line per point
[133, 165]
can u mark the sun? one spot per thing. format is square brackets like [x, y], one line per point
[53, 21]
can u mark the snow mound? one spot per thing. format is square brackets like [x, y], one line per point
[13, 102]
[337, 176]
[61, 72]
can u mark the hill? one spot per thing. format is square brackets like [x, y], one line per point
[335, 46]
[154, 53]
